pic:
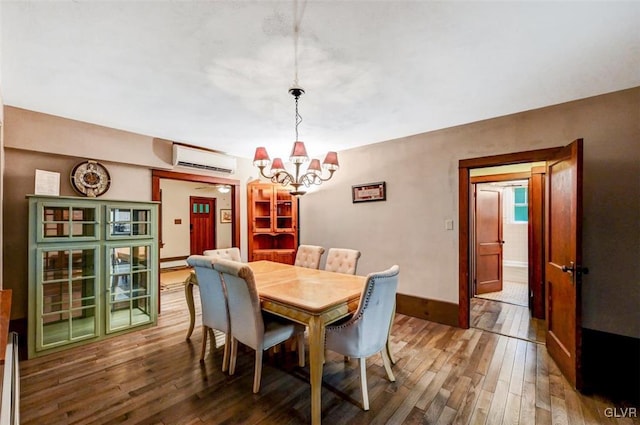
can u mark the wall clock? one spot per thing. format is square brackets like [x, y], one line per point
[90, 178]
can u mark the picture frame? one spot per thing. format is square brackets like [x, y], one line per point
[369, 192]
[225, 216]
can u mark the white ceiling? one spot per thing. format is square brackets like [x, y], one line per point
[216, 73]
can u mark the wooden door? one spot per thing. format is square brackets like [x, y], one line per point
[202, 224]
[563, 271]
[488, 237]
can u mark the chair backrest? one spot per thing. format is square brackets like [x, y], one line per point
[370, 323]
[244, 304]
[342, 260]
[309, 256]
[213, 294]
[224, 253]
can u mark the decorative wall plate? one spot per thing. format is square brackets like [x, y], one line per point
[90, 178]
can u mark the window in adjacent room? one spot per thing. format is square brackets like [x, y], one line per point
[520, 205]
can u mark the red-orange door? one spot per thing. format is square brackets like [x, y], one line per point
[202, 224]
[564, 266]
[488, 236]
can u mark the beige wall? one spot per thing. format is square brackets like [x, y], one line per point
[39, 141]
[422, 183]
[175, 206]
[128, 183]
[421, 172]
[38, 132]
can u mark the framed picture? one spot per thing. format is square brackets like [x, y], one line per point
[225, 216]
[369, 192]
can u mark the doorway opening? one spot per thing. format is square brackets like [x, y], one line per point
[500, 220]
[555, 252]
[175, 238]
[502, 293]
[498, 173]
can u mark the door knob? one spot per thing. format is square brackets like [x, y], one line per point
[575, 269]
[569, 269]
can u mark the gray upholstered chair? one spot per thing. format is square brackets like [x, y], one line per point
[213, 299]
[309, 256]
[224, 253]
[366, 332]
[250, 325]
[342, 260]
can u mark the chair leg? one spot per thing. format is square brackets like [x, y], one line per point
[258, 372]
[389, 352]
[387, 365]
[300, 343]
[225, 355]
[205, 334]
[388, 345]
[363, 383]
[234, 353]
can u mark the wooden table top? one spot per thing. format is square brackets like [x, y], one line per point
[308, 289]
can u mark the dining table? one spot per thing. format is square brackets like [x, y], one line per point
[314, 298]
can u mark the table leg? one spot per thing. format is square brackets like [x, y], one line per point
[316, 357]
[188, 294]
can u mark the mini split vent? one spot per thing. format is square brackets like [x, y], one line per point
[204, 160]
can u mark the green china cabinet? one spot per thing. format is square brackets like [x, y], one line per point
[93, 270]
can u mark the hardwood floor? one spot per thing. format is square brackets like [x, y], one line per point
[506, 319]
[444, 375]
[512, 293]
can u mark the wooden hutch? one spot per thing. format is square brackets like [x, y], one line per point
[272, 222]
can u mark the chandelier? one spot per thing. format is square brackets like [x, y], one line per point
[313, 174]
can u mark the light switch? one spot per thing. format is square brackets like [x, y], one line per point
[448, 224]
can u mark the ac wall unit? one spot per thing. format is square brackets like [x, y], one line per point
[204, 160]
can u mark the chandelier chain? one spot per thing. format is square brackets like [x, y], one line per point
[297, 20]
[298, 118]
[313, 174]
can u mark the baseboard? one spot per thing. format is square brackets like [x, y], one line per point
[610, 366]
[173, 262]
[423, 308]
[178, 258]
[512, 263]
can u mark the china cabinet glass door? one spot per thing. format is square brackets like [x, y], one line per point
[262, 196]
[68, 310]
[62, 222]
[125, 222]
[284, 209]
[130, 289]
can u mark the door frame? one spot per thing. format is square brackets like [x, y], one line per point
[156, 195]
[464, 216]
[493, 178]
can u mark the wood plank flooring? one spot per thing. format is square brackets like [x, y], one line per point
[506, 319]
[444, 375]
